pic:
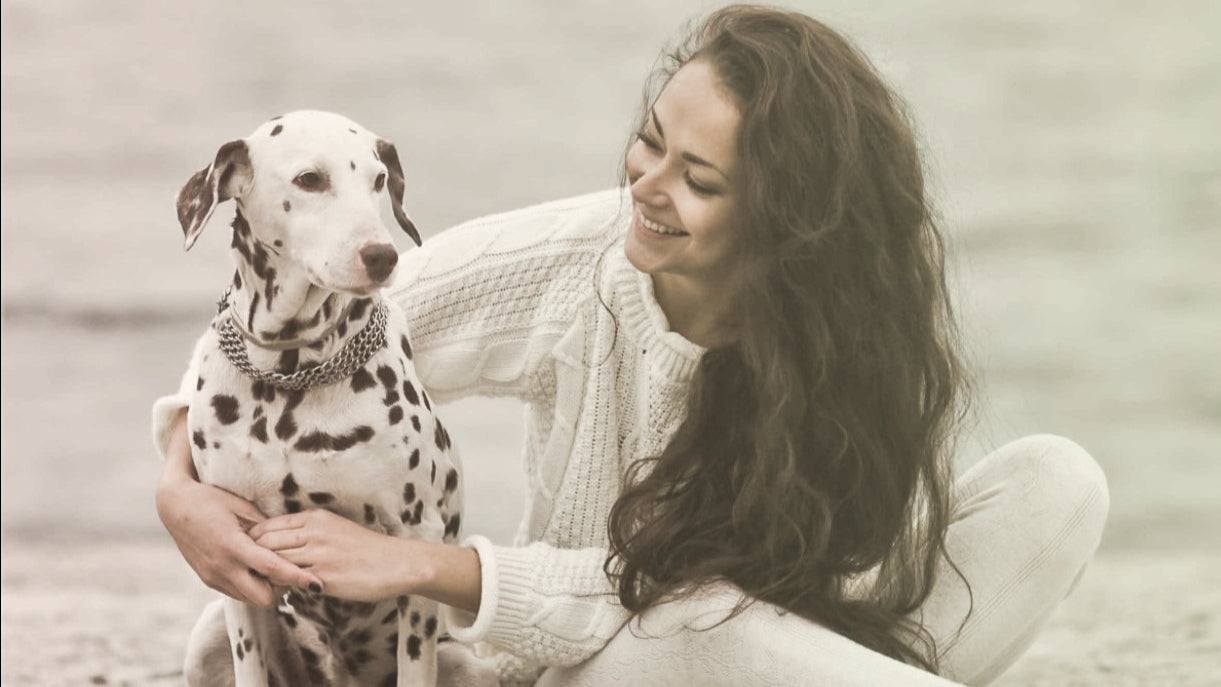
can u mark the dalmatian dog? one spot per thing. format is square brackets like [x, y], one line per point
[305, 393]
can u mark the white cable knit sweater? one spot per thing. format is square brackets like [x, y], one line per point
[541, 304]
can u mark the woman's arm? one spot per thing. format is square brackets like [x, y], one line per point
[210, 525]
[357, 563]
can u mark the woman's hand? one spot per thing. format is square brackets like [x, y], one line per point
[362, 565]
[210, 525]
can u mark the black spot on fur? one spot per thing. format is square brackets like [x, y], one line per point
[451, 480]
[415, 619]
[279, 244]
[292, 506]
[226, 408]
[353, 163]
[198, 438]
[424, 397]
[263, 391]
[352, 130]
[430, 628]
[409, 393]
[276, 131]
[288, 361]
[321, 441]
[441, 436]
[362, 380]
[413, 647]
[289, 486]
[433, 476]
[259, 430]
[286, 426]
[415, 423]
[452, 527]
[254, 306]
[241, 653]
[396, 415]
[406, 346]
[414, 461]
[288, 207]
[409, 492]
[199, 383]
[359, 307]
[370, 514]
[321, 497]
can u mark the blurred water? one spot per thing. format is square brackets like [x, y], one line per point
[1072, 145]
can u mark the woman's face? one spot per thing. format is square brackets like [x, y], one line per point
[680, 168]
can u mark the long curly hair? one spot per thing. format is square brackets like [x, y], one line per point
[814, 457]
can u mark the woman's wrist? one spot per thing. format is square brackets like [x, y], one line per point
[447, 573]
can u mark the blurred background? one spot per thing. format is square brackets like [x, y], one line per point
[1072, 147]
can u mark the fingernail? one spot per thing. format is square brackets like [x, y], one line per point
[315, 587]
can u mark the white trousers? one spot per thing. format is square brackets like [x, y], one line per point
[1027, 519]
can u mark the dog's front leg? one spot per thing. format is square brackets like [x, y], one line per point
[242, 622]
[417, 651]
[263, 652]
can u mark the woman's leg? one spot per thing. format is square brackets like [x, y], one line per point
[1027, 519]
[681, 643]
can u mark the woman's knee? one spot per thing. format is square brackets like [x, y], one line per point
[1058, 482]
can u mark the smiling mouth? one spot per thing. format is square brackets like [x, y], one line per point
[658, 228]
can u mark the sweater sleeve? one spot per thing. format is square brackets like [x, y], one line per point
[545, 605]
[487, 300]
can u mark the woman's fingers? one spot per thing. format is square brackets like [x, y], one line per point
[276, 569]
[291, 521]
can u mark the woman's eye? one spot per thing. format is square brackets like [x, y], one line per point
[311, 181]
[648, 141]
[379, 182]
[700, 189]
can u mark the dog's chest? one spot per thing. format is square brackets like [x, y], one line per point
[368, 447]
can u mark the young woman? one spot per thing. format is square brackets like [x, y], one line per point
[742, 384]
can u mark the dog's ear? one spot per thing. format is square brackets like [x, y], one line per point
[390, 157]
[225, 178]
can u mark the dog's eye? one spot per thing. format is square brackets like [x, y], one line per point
[379, 182]
[311, 181]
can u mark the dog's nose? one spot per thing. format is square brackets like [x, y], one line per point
[379, 260]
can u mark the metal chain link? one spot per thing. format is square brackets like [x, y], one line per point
[354, 354]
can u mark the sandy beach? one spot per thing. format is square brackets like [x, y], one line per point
[1071, 146]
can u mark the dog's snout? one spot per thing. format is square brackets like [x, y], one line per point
[379, 261]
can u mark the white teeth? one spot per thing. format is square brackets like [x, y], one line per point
[659, 228]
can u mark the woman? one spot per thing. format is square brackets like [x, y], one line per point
[741, 391]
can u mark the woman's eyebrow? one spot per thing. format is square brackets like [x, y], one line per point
[689, 157]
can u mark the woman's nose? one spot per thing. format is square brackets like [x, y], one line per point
[647, 184]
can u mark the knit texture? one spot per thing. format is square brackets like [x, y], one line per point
[542, 304]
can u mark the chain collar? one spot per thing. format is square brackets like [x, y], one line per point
[354, 354]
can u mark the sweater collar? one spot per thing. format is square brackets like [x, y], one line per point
[668, 353]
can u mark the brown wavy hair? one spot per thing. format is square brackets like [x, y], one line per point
[816, 446]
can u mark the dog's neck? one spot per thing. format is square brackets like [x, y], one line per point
[286, 320]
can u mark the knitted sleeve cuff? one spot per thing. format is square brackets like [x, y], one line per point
[549, 605]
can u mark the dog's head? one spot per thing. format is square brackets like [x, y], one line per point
[308, 183]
